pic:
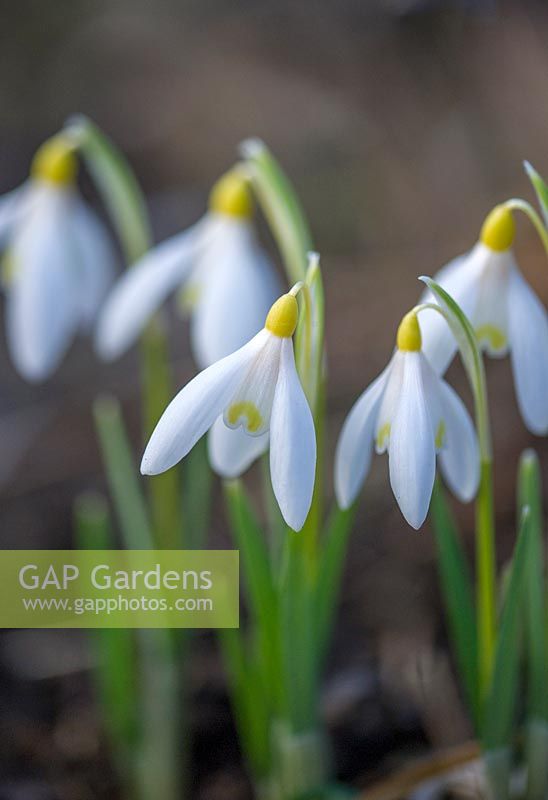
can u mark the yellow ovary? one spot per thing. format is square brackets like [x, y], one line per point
[409, 336]
[498, 230]
[247, 410]
[282, 317]
[55, 161]
[231, 195]
[494, 336]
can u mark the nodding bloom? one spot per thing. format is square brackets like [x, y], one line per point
[226, 278]
[58, 261]
[413, 414]
[506, 314]
[256, 389]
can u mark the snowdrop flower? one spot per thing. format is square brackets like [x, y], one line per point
[58, 262]
[226, 276]
[506, 314]
[413, 414]
[256, 389]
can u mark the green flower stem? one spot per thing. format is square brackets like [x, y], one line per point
[126, 205]
[516, 204]
[486, 577]
[485, 525]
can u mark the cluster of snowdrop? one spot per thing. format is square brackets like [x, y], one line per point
[59, 279]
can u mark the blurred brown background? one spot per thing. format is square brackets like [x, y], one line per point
[401, 124]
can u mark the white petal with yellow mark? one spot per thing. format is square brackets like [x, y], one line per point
[355, 445]
[251, 405]
[389, 401]
[194, 410]
[292, 443]
[459, 457]
[96, 260]
[231, 452]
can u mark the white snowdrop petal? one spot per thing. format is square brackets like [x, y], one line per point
[142, 289]
[238, 288]
[355, 445]
[490, 316]
[96, 259]
[42, 312]
[194, 410]
[412, 457]
[292, 443]
[459, 279]
[251, 405]
[231, 452]
[528, 328]
[12, 208]
[389, 402]
[459, 458]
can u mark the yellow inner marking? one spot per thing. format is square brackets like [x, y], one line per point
[382, 435]
[282, 317]
[498, 230]
[440, 435]
[231, 195]
[55, 161]
[494, 336]
[249, 411]
[409, 333]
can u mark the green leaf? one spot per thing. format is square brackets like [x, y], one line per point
[501, 700]
[114, 649]
[197, 486]
[458, 595]
[339, 527]
[261, 594]
[122, 475]
[116, 181]
[530, 495]
[280, 206]
[540, 187]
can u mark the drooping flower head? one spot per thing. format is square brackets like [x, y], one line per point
[505, 313]
[413, 414]
[228, 282]
[257, 391]
[58, 261]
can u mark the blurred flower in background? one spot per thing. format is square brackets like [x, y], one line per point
[58, 262]
[506, 314]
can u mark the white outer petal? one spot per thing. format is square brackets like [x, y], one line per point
[42, 312]
[528, 329]
[412, 456]
[194, 410]
[231, 452]
[143, 288]
[96, 259]
[12, 209]
[292, 443]
[459, 458]
[460, 279]
[355, 445]
[238, 287]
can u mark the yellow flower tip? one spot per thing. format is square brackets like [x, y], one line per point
[247, 410]
[55, 161]
[231, 195]
[409, 333]
[498, 230]
[283, 316]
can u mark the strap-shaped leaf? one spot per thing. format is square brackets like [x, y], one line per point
[458, 595]
[501, 700]
[540, 187]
